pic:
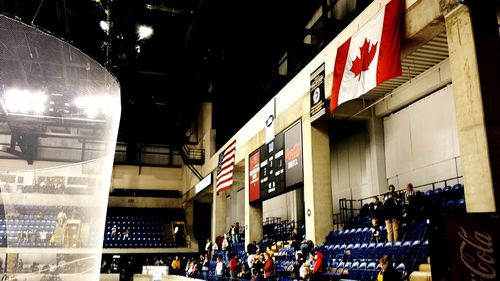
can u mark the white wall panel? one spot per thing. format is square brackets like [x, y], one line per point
[421, 141]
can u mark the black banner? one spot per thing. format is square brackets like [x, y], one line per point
[317, 93]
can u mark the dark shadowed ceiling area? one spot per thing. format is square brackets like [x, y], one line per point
[223, 51]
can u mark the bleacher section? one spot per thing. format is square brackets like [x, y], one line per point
[33, 226]
[147, 228]
[350, 253]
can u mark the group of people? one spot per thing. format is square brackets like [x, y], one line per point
[117, 234]
[389, 211]
[224, 242]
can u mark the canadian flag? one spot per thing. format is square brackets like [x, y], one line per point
[369, 57]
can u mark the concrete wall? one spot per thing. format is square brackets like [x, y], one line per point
[144, 202]
[134, 177]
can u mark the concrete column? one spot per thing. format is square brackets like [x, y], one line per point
[473, 43]
[218, 213]
[377, 154]
[253, 213]
[317, 182]
[189, 211]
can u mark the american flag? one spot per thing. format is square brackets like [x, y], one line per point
[225, 168]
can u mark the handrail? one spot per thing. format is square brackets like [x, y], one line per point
[345, 210]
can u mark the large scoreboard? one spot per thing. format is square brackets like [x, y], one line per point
[276, 167]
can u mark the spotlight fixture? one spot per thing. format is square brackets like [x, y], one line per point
[25, 101]
[104, 26]
[144, 32]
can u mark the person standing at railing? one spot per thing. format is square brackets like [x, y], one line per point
[391, 215]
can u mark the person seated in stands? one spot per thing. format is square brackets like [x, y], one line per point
[387, 271]
[376, 230]
[375, 210]
[391, 216]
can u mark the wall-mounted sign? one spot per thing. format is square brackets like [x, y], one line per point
[254, 176]
[317, 93]
[293, 155]
[204, 183]
[270, 164]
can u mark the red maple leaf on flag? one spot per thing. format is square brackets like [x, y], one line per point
[366, 55]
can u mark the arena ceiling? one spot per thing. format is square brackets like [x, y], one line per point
[222, 51]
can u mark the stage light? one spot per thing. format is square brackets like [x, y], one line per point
[144, 32]
[104, 26]
[25, 101]
[92, 106]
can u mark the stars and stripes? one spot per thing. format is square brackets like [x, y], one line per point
[225, 167]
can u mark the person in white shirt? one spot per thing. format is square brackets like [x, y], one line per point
[219, 267]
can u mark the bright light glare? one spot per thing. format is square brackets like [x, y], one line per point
[93, 105]
[25, 101]
[144, 32]
[104, 25]
[176, 229]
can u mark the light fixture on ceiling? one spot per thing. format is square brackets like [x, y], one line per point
[104, 26]
[144, 31]
[25, 101]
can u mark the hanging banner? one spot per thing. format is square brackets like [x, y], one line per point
[317, 93]
[254, 176]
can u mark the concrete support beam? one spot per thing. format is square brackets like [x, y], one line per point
[476, 100]
[317, 182]
[189, 211]
[423, 21]
[377, 154]
[218, 213]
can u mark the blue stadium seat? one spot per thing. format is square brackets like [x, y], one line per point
[371, 266]
[362, 266]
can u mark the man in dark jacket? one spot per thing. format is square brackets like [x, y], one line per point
[391, 216]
